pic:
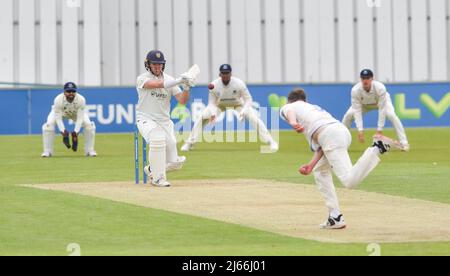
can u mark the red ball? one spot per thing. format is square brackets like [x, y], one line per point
[211, 86]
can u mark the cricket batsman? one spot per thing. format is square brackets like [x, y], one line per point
[224, 93]
[370, 95]
[69, 105]
[330, 140]
[155, 90]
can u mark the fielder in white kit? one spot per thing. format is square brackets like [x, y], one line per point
[330, 140]
[228, 92]
[155, 90]
[371, 95]
[69, 105]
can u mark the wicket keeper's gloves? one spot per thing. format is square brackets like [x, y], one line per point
[66, 141]
[74, 141]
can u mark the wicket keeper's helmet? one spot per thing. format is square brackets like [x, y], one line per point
[155, 57]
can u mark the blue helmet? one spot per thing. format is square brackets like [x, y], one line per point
[70, 87]
[154, 57]
[366, 74]
[225, 68]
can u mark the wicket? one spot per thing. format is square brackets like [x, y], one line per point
[136, 157]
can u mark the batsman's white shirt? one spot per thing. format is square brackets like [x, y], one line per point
[232, 95]
[62, 109]
[311, 117]
[377, 97]
[154, 103]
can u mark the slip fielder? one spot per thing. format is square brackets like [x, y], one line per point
[69, 105]
[155, 90]
[330, 140]
[370, 95]
[228, 92]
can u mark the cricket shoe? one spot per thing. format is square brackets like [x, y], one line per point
[177, 165]
[170, 167]
[274, 146]
[148, 172]
[46, 155]
[162, 182]
[385, 144]
[334, 223]
[405, 147]
[187, 147]
[91, 154]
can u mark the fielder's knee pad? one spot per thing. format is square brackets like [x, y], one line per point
[48, 127]
[90, 126]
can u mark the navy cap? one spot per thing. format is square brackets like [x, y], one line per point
[70, 87]
[225, 68]
[156, 57]
[366, 74]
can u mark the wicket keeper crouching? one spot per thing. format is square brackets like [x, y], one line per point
[69, 105]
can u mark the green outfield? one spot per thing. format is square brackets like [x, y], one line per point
[38, 222]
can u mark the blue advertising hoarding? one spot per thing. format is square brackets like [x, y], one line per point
[112, 109]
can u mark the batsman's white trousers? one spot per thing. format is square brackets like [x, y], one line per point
[390, 115]
[335, 139]
[147, 127]
[209, 111]
[48, 134]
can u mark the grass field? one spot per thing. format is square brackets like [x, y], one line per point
[37, 222]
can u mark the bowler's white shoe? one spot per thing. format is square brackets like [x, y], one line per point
[385, 143]
[160, 183]
[91, 154]
[334, 223]
[186, 147]
[46, 154]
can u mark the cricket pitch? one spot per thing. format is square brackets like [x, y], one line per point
[289, 209]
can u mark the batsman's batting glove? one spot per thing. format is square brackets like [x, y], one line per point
[187, 80]
[66, 141]
[185, 87]
[74, 141]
